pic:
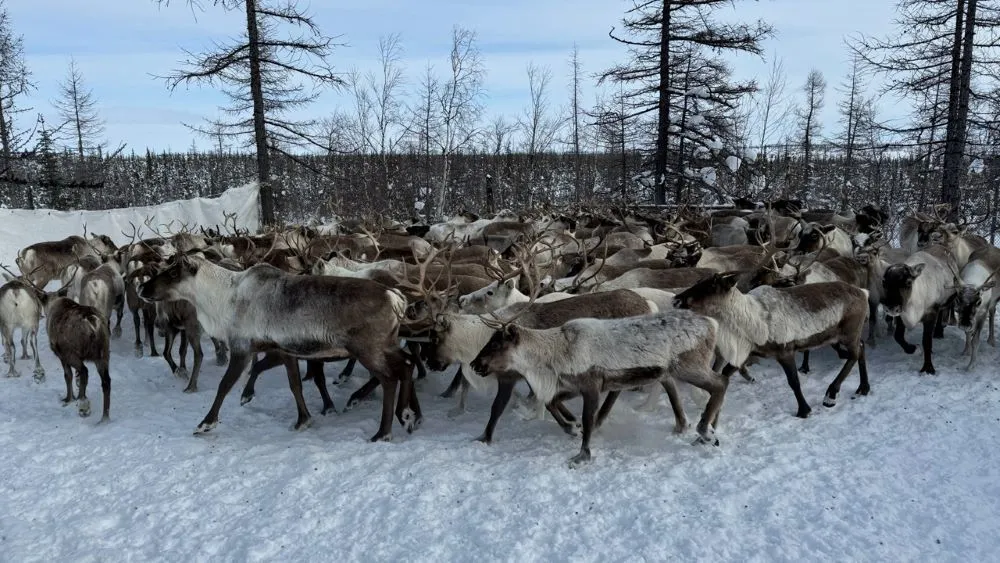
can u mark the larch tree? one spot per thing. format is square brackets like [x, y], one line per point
[661, 37]
[15, 83]
[814, 92]
[279, 65]
[77, 108]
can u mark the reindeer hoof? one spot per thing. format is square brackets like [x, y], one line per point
[66, 401]
[221, 360]
[929, 369]
[39, 375]
[484, 439]
[83, 408]
[573, 428]
[117, 332]
[205, 427]
[351, 403]
[909, 348]
[862, 391]
[580, 459]
[408, 419]
[194, 389]
[327, 409]
[379, 437]
[456, 412]
[447, 393]
[13, 374]
[246, 399]
[302, 424]
[680, 428]
[804, 370]
[804, 412]
[181, 373]
[104, 420]
[138, 352]
[702, 441]
[829, 402]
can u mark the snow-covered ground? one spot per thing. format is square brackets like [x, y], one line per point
[907, 473]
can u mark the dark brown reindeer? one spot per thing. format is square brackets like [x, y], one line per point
[79, 334]
[311, 317]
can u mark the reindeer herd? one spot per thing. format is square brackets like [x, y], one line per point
[583, 302]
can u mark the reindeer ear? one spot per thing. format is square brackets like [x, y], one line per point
[917, 270]
[988, 285]
[827, 228]
[509, 283]
[512, 333]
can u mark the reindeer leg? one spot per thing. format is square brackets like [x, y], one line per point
[500, 401]
[39, 373]
[168, 349]
[854, 353]
[182, 371]
[680, 417]
[239, 357]
[456, 381]
[591, 397]
[787, 363]
[606, 406]
[295, 382]
[314, 371]
[199, 356]
[899, 334]
[24, 345]
[363, 392]
[82, 403]
[120, 311]
[138, 330]
[345, 374]
[972, 342]
[872, 322]
[221, 352]
[942, 316]
[8, 342]
[68, 374]
[407, 407]
[270, 360]
[563, 417]
[414, 349]
[928, 343]
[804, 368]
[992, 317]
[148, 319]
[103, 373]
[716, 386]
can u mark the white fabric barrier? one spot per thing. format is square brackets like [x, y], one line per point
[21, 227]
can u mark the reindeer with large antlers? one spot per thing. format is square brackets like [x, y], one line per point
[976, 299]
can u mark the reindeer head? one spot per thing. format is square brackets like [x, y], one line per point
[489, 298]
[813, 237]
[944, 234]
[968, 303]
[708, 292]
[898, 283]
[172, 282]
[495, 357]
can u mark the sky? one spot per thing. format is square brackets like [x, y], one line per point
[123, 46]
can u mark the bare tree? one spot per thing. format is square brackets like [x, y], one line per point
[266, 74]
[574, 116]
[538, 127]
[15, 82]
[810, 125]
[459, 106]
[852, 107]
[78, 109]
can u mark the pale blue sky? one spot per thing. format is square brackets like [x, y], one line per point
[121, 44]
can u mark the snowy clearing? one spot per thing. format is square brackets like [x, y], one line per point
[907, 473]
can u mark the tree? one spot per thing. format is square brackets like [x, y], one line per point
[662, 36]
[938, 47]
[809, 124]
[78, 109]
[15, 82]
[575, 110]
[852, 108]
[459, 106]
[266, 74]
[538, 128]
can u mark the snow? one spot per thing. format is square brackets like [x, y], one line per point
[906, 473]
[419, 206]
[733, 163]
[976, 166]
[752, 154]
[709, 175]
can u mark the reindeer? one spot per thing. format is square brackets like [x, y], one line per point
[815, 237]
[79, 334]
[72, 275]
[976, 299]
[311, 317]
[104, 289]
[917, 291]
[588, 356]
[45, 261]
[20, 309]
[137, 306]
[180, 316]
[776, 323]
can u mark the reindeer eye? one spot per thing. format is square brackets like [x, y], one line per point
[489, 292]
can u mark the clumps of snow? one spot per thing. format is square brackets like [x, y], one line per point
[709, 175]
[976, 166]
[696, 119]
[418, 205]
[714, 144]
[698, 92]
[752, 154]
[733, 162]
